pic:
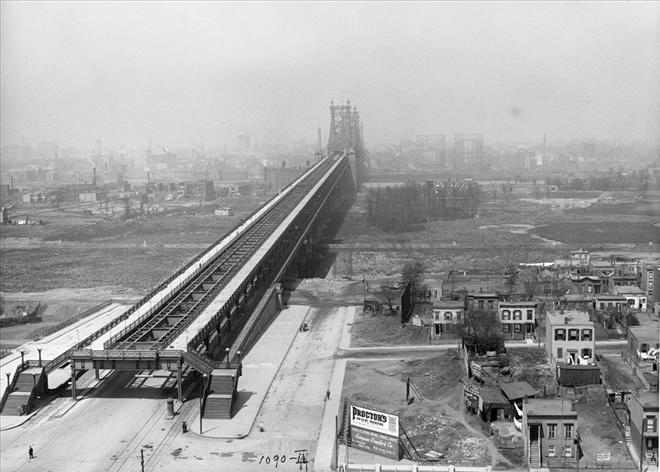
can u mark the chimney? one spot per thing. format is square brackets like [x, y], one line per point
[565, 320]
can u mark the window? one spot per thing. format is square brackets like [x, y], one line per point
[651, 424]
[506, 315]
[560, 334]
[560, 353]
[506, 328]
[436, 316]
[458, 315]
[568, 430]
[552, 431]
[551, 451]
[573, 334]
[530, 315]
[586, 335]
[586, 353]
[602, 305]
[448, 315]
[491, 304]
[481, 304]
[516, 328]
[517, 315]
[568, 451]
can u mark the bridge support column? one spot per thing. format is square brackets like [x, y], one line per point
[73, 382]
[179, 382]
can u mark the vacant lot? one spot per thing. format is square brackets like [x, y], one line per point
[599, 232]
[434, 421]
[385, 330]
[599, 431]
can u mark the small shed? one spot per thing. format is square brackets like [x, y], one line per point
[515, 391]
[493, 406]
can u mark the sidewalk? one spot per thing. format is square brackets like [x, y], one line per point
[260, 367]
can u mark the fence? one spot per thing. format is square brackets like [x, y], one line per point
[409, 468]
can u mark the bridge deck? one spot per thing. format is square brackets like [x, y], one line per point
[59, 342]
[179, 311]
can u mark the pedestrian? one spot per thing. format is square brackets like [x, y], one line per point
[31, 452]
[327, 394]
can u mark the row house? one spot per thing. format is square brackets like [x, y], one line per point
[483, 301]
[635, 296]
[518, 319]
[448, 317]
[550, 431]
[615, 303]
[643, 418]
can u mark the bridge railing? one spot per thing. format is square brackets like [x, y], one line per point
[163, 284]
[196, 340]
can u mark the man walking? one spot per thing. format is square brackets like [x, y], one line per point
[31, 452]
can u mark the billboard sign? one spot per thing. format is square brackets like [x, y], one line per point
[375, 431]
[376, 421]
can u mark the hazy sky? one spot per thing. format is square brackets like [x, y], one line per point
[189, 73]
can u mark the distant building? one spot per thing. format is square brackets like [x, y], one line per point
[643, 412]
[635, 296]
[226, 211]
[518, 319]
[615, 303]
[483, 301]
[448, 318]
[580, 258]
[550, 431]
[650, 273]
[468, 151]
[276, 178]
[577, 301]
[90, 196]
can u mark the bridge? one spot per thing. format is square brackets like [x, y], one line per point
[207, 315]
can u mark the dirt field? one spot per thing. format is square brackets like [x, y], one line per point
[58, 308]
[600, 232]
[599, 431]
[134, 254]
[435, 422]
[385, 330]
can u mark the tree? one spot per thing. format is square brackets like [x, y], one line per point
[413, 272]
[482, 332]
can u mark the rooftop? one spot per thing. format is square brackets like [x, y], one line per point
[568, 317]
[605, 296]
[648, 399]
[526, 304]
[575, 297]
[552, 407]
[518, 390]
[645, 334]
[629, 289]
[448, 304]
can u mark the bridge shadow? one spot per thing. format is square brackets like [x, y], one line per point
[129, 384]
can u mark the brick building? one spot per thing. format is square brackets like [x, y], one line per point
[518, 319]
[550, 431]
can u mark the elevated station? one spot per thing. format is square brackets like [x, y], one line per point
[208, 314]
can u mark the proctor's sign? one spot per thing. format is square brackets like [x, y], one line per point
[375, 421]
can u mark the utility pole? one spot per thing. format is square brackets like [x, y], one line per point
[142, 459]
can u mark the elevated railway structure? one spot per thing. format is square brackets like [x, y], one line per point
[205, 316]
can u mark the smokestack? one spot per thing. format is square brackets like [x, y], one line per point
[319, 143]
[94, 176]
[11, 182]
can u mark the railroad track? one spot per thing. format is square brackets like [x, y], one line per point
[196, 294]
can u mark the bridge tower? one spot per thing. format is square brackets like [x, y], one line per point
[346, 136]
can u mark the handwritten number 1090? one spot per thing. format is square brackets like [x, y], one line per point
[275, 460]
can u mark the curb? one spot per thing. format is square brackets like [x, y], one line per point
[279, 366]
[27, 418]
